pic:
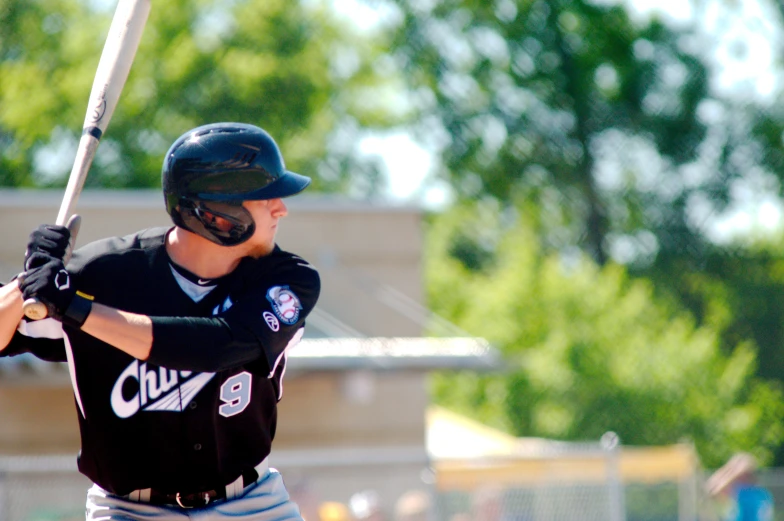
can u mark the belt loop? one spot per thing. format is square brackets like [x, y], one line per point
[263, 467]
[140, 496]
[235, 488]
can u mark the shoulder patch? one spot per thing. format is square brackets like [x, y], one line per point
[285, 304]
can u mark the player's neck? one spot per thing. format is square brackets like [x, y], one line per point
[200, 256]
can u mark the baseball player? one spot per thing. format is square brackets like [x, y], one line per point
[177, 337]
[736, 482]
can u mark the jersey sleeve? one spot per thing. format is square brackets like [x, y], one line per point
[259, 322]
[43, 339]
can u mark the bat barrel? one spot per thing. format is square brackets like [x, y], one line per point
[88, 145]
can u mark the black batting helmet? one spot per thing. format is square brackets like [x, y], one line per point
[213, 168]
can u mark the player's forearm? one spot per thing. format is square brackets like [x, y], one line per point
[190, 343]
[127, 332]
[202, 344]
[10, 312]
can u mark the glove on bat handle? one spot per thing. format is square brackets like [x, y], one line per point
[33, 308]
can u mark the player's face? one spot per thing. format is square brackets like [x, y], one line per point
[265, 214]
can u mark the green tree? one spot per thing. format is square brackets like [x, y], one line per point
[590, 349]
[738, 294]
[607, 134]
[290, 67]
[552, 102]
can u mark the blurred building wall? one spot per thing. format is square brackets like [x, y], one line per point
[339, 431]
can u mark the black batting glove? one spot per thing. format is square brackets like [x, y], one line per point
[53, 241]
[47, 242]
[52, 285]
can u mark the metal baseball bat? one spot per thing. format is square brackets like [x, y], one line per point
[125, 32]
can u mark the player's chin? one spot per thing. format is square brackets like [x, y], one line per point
[260, 249]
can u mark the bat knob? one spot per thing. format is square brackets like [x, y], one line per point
[34, 309]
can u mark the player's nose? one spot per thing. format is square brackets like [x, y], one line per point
[278, 208]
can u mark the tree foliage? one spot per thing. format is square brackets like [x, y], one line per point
[562, 102]
[590, 349]
[607, 133]
[291, 68]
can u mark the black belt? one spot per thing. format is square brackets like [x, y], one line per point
[202, 498]
[183, 500]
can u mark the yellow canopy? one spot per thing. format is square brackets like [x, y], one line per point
[466, 454]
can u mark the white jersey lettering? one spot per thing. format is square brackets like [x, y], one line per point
[161, 390]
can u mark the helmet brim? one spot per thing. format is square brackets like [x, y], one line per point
[286, 185]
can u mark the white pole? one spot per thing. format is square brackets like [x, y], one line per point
[611, 443]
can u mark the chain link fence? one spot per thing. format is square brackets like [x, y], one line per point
[49, 488]
[663, 501]
[41, 488]
[580, 481]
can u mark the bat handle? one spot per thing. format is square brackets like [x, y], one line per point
[32, 307]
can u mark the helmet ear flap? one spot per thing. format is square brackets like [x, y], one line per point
[224, 223]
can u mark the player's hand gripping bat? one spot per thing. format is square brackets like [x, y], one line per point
[125, 32]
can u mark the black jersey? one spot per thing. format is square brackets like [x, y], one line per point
[201, 409]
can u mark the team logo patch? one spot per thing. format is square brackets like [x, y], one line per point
[271, 320]
[285, 304]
